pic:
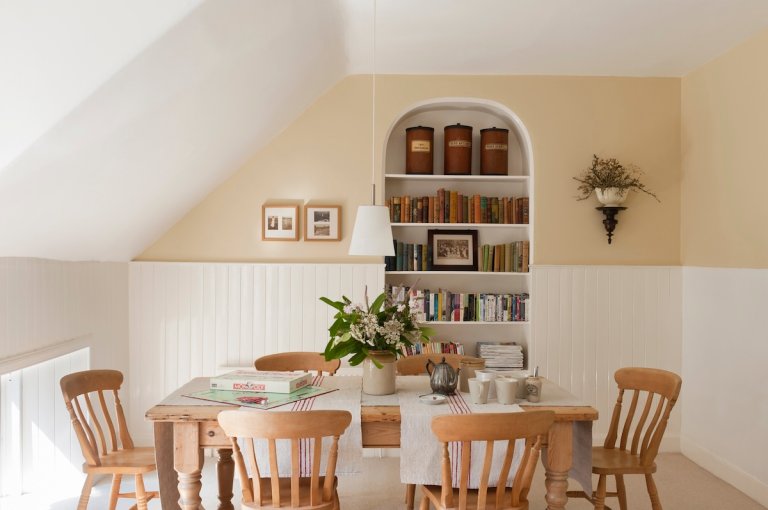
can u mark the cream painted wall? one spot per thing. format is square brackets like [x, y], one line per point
[723, 217]
[325, 157]
[725, 174]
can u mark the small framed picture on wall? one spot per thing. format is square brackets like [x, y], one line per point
[280, 222]
[322, 223]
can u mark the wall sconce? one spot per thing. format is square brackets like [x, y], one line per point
[610, 221]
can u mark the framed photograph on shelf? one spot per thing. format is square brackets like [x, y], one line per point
[322, 222]
[280, 222]
[453, 250]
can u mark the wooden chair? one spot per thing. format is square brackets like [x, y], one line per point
[654, 393]
[105, 450]
[489, 428]
[306, 361]
[299, 492]
[416, 364]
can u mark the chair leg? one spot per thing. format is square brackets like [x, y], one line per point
[410, 495]
[621, 492]
[141, 494]
[653, 492]
[114, 492]
[599, 499]
[85, 494]
[424, 503]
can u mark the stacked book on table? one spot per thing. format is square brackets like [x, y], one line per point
[501, 355]
[260, 389]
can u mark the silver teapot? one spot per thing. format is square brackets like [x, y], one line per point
[442, 377]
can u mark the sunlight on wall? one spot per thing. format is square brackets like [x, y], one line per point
[40, 453]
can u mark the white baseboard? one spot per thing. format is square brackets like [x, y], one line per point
[745, 482]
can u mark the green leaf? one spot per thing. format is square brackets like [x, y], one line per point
[338, 305]
[376, 306]
[358, 357]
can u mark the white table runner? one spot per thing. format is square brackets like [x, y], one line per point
[420, 455]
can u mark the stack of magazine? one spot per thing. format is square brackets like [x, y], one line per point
[501, 355]
[260, 389]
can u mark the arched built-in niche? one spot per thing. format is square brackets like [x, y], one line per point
[518, 182]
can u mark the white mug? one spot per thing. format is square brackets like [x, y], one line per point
[487, 375]
[506, 390]
[478, 390]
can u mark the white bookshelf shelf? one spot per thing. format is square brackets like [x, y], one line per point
[464, 225]
[476, 323]
[466, 273]
[459, 178]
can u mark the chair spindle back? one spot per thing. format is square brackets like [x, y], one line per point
[294, 426]
[85, 394]
[653, 395]
[530, 426]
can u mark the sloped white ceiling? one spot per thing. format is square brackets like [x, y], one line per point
[117, 117]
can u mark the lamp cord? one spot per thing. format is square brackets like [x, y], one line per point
[373, 113]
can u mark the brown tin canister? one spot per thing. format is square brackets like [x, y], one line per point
[493, 151]
[458, 150]
[419, 144]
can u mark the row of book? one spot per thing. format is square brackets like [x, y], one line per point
[501, 355]
[435, 348]
[454, 207]
[446, 306]
[409, 257]
[508, 257]
[504, 257]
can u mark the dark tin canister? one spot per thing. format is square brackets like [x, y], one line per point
[494, 145]
[458, 150]
[419, 150]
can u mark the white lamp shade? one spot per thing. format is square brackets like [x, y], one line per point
[372, 234]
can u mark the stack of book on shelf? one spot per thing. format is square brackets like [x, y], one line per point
[454, 207]
[508, 257]
[445, 306]
[435, 348]
[409, 257]
[501, 355]
[259, 389]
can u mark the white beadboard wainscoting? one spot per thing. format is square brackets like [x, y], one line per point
[191, 319]
[47, 307]
[589, 321]
[56, 317]
[725, 386]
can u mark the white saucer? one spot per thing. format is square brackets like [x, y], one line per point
[433, 399]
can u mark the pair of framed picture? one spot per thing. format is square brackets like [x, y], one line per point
[281, 222]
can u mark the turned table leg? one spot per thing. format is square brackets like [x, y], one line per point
[225, 471]
[558, 463]
[187, 462]
[166, 476]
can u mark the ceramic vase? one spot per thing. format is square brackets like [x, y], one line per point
[379, 381]
[611, 197]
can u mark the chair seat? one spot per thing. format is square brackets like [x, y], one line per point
[433, 493]
[615, 461]
[285, 495]
[128, 462]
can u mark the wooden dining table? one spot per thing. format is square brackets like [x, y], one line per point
[181, 432]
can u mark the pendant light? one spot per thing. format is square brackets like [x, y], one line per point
[372, 234]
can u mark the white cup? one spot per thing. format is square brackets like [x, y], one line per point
[487, 375]
[506, 390]
[478, 390]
